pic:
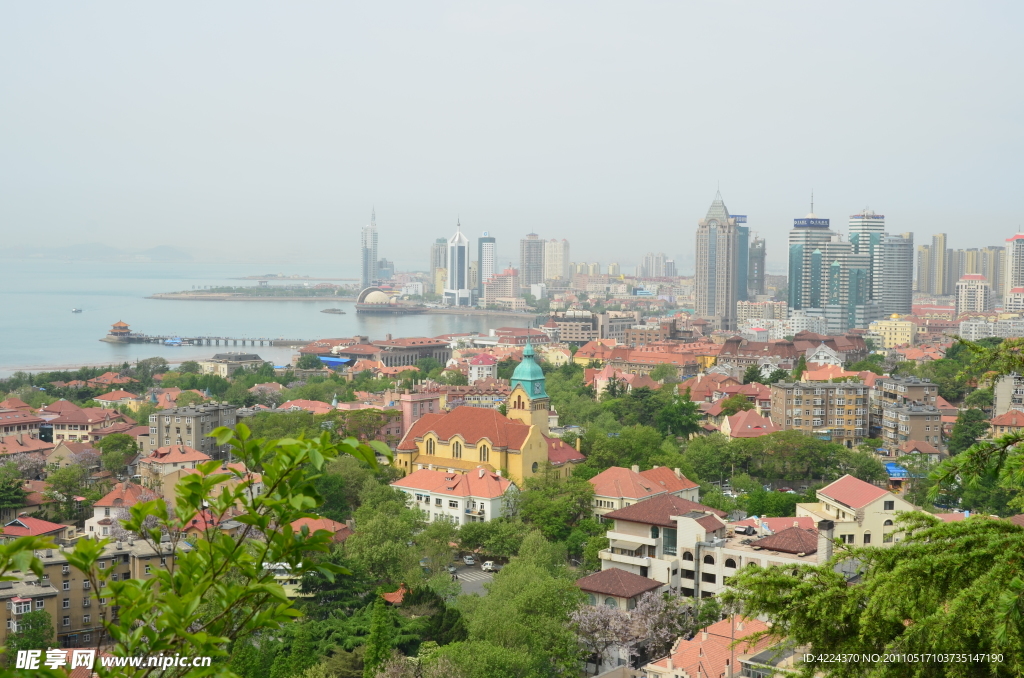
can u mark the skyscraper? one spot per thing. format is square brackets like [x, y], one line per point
[973, 294]
[924, 269]
[556, 259]
[670, 269]
[485, 256]
[717, 259]
[755, 267]
[1014, 263]
[867, 231]
[456, 289]
[613, 269]
[653, 265]
[531, 260]
[942, 281]
[742, 255]
[438, 262]
[368, 252]
[898, 274]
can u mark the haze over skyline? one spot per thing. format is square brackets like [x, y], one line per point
[262, 131]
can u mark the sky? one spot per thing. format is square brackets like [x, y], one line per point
[267, 131]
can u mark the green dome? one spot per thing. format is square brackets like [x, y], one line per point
[530, 375]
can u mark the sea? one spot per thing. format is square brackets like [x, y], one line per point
[38, 330]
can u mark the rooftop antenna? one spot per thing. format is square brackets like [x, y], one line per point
[373, 217]
[812, 201]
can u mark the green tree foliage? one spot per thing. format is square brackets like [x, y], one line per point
[499, 538]
[381, 640]
[116, 450]
[736, 403]
[753, 375]
[776, 376]
[969, 427]
[386, 526]
[428, 365]
[63, 485]
[187, 398]
[555, 505]
[12, 492]
[35, 632]
[189, 367]
[981, 398]
[506, 367]
[664, 373]
[309, 362]
[800, 368]
[873, 363]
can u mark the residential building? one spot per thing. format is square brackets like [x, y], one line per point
[941, 273]
[1013, 302]
[867, 235]
[718, 259]
[973, 294]
[894, 331]
[761, 310]
[619, 588]
[74, 606]
[862, 513]
[502, 285]
[1011, 421]
[556, 259]
[531, 260]
[226, 364]
[191, 426]
[837, 412]
[897, 294]
[725, 649]
[471, 437]
[113, 507]
[27, 526]
[1014, 259]
[614, 270]
[438, 264]
[980, 328]
[488, 266]
[653, 265]
[618, 487]
[1008, 392]
[482, 366]
[164, 460]
[115, 399]
[368, 253]
[478, 495]
[578, 326]
[341, 531]
[235, 474]
[72, 423]
[457, 291]
[911, 421]
[756, 268]
[748, 424]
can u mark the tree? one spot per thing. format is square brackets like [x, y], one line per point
[427, 365]
[379, 644]
[969, 427]
[308, 361]
[187, 398]
[736, 403]
[117, 449]
[776, 376]
[664, 373]
[801, 367]
[64, 485]
[12, 491]
[679, 417]
[189, 367]
[35, 632]
[601, 628]
[982, 398]
[753, 375]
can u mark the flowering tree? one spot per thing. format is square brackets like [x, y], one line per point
[601, 628]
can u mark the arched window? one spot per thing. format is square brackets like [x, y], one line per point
[654, 533]
[430, 445]
[485, 454]
[887, 523]
[457, 450]
[709, 560]
[729, 562]
[535, 467]
[610, 602]
[591, 599]
[687, 556]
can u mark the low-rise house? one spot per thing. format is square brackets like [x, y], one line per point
[479, 495]
[226, 364]
[165, 460]
[66, 453]
[236, 474]
[341, 531]
[721, 650]
[116, 398]
[920, 447]
[311, 406]
[617, 487]
[748, 424]
[617, 588]
[77, 424]
[21, 443]
[27, 526]
[482, 366]
[863, 513]
[108, 379]
[1011, 421]
[113, 507]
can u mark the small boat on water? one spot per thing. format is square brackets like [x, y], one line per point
[76, 310]
[336, 311]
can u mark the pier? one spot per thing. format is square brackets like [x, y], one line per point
[121, 334]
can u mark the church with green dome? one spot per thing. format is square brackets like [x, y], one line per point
[529, 375]
[528, 401]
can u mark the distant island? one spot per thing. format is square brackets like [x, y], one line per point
[262, 293]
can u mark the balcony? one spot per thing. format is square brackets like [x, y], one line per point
[474, 512]
[624, 559]
[631, 538]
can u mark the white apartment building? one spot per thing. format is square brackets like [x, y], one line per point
[475, 496]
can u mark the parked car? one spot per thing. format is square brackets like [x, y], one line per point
[490, 566]
[469, 560]
[787, 490]
[451, 569]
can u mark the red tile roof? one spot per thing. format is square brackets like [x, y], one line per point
[14, 404]
[664, 477]
[25, 526]
[125, 494]
[790, 540]
[852, 492]
[174, 454]
[1014, 418]
[341, 531]
[750, 424]
[15, 444]
[659, 510]
[912, 446]
[777, 524]
[624, 483]
[710, 652]
[478, 482]
[396, 597]
[114, 396]
[561, 452]
[314, 406]
[473, 424]
[618, 583]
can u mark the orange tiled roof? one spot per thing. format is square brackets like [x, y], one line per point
[624, 483]
[174, 454]
[478, 482]
[473, 424]
[664, 477]
[852, 492]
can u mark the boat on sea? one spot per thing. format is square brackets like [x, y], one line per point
[336, 311]
[76, 310]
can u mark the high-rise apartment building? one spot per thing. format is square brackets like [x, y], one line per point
[556, 259]
[941, 272]
[486, 246]
[457, 291]
[613, 270]
[867, 231]
[653, 265]
[438, 262]
[898, 274]
[755, 267]
[504, 285]
[670, 269]
[1014, 263]
[924, 269]
[973, 294]
[368, 252]
[531, 260]
[717, 259]
[742, 255]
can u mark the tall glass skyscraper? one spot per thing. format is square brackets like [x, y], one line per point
[368, 252]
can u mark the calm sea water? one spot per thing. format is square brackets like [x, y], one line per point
[38, 329]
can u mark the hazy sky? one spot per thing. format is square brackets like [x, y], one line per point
[269, 130]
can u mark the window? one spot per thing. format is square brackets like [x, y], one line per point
[867, 538]
[86, 585]
[452, 503]
[591, 599]
[87, 637]
[39, 604]
[65, 569]
[654, 532]
[67, 586]
[66, 621]
[709, 560]
[103, 564]
[729, 562]
[535, 467]
[457, 450]
[887, 523]
[687, 556]
[846, 538]
[708, 577]
[889, 506]
[610, 602]
[485, 454]
[430, 445]
[66, 603]
[147, 569]
[86, 618]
